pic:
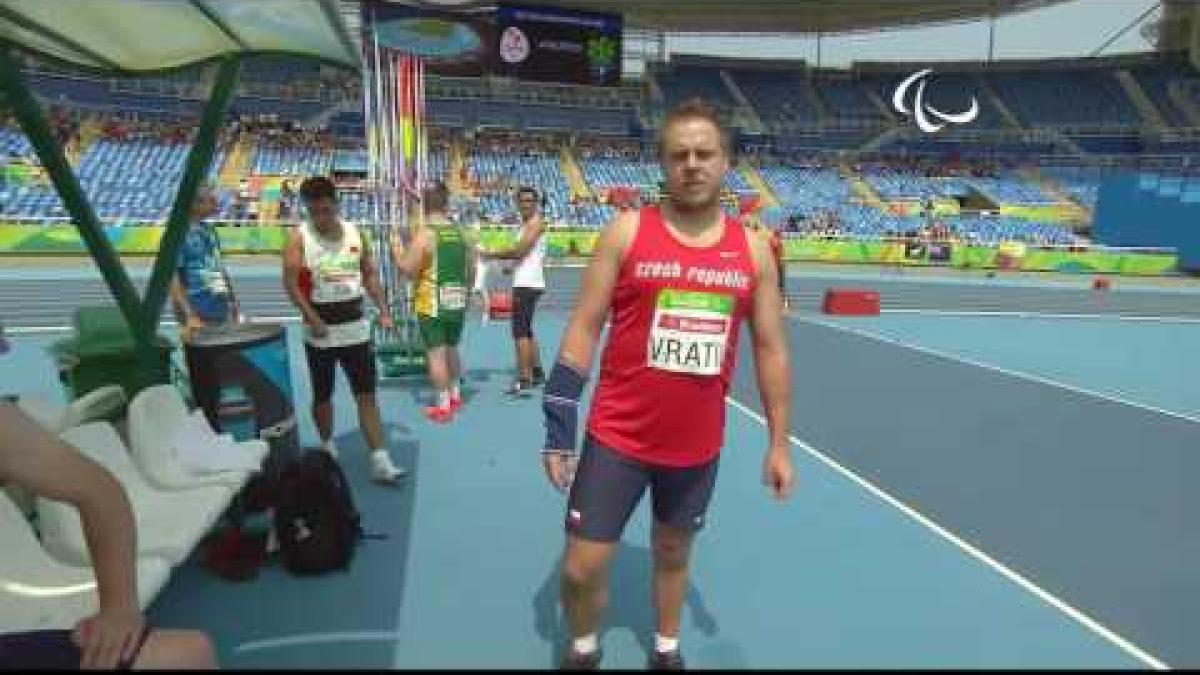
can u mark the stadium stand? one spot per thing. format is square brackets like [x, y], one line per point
[806, 113]
[778, 96]
[1075, 97]
[846, 96]
[947, 90]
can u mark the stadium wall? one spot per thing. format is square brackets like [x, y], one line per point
[64, 240]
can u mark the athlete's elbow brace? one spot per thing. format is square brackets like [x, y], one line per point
[560, 403]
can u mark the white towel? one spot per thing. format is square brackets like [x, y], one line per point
[201, 451]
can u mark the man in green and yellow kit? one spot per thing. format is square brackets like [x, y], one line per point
[441, 260]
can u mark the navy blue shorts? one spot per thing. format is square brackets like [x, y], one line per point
[50, 650]
[525, 301]
[609, 485]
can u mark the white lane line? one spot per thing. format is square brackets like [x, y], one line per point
[1044, 315]
[318, 639]
[1042, 594]
[987, 366]
[35, 330]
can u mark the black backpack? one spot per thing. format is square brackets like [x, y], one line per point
[315, 519]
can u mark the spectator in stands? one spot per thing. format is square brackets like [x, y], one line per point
[287, 198]
[242, 200]
[116, 636]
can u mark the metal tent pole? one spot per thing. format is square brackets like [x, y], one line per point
[195, 171]
[41, 136]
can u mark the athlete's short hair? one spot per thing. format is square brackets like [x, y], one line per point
[317, 187]
[693, 109]
[435, 197]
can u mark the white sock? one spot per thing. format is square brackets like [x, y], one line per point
[586, 644]
[665, 645]
[327, 446]
[443, 399]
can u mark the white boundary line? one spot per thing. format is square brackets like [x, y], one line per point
[1042, 594]
[987, 366]
[319, 638]
[35, 330]
[1045, 315]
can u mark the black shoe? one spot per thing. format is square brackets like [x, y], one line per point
[573, 660]
[671, 660]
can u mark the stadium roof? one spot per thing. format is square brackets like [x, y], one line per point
[137, 36]
[780, 16]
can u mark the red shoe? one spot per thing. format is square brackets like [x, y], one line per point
[439, 415]
[456, 403]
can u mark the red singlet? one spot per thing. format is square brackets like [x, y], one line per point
[676, 315]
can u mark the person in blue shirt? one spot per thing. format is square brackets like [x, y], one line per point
[203, 297]
[201, 289]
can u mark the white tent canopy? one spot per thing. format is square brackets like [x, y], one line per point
[134, 36]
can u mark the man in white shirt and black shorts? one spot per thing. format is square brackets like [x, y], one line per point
[329, 269]
[529, 283]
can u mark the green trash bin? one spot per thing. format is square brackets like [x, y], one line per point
[102, 352]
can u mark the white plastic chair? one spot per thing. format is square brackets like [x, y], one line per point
[38, 592]
[155, 415]
[97, 404]
[169, 523]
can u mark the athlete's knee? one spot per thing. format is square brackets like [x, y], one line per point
[582, 569]
[578, 574]
[672, 547]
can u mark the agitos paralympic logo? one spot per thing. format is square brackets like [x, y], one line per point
[922, 110]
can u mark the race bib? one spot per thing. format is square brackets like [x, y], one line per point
[452, 298]
[690, 331]
[216, 284]
[339, 279]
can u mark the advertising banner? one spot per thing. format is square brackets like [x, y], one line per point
[452, 43]
[554, 45]
[520, 41]
[35, 240]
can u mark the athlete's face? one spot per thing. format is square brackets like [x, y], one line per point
[323, 213]
[205, 204]
[694, 162]
[527, 204]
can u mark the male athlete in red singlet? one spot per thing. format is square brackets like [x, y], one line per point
[678, 281]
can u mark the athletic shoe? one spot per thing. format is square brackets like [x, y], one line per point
[671, 660]
[519, 389]
[456, 403]
[573, 660]
[382, 469]
[439, 415]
